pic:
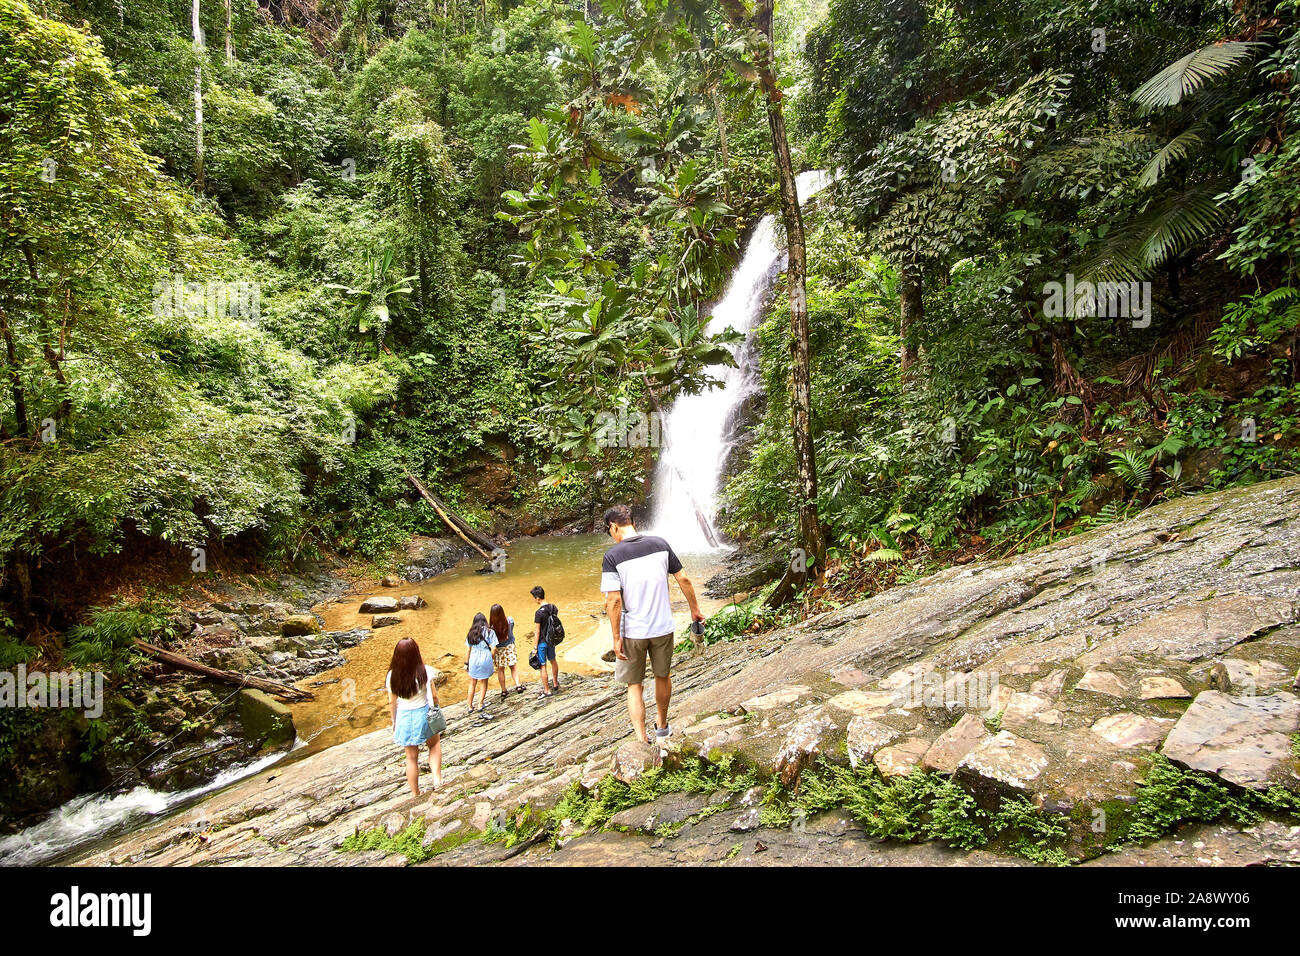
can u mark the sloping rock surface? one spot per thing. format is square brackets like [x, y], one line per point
[1057, 675]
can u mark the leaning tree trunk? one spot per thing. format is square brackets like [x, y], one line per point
[811, 538]
[198, 96]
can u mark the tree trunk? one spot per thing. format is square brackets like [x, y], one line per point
[911, 310]
[475, 539]
[15, 377]
[181, 662]
[230, 42]
[197, 32]
[811, 538]
[720, 114]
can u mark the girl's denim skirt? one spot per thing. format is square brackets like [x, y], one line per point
[411, 728]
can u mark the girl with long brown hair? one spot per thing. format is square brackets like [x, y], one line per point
[503, 655]
[413, 707]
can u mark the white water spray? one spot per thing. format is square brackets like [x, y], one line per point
[87, 818]
[702, 429]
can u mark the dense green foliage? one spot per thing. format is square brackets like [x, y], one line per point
[422, 237]
[977, 171]
[255, 349]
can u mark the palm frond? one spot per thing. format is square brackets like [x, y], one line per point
[1185, 76]
[1174, 151]
[1179, 222]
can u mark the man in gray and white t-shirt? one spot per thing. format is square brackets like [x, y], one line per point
[634, 577]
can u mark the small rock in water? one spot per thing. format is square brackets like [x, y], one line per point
[411, 602]
[378, 605]
[391, 581]
[385, 620]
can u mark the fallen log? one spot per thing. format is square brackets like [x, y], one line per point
[463, 530]
[181, 662]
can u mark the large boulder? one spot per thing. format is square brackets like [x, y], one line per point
[379, 605]
[900, 759]
[265, 720]
[1244, 740]
[1003, 761]
[866, 737]
[1189, 632]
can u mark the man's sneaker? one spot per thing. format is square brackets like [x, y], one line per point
[663, 733]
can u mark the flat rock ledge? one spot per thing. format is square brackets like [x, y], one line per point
[1057, 676]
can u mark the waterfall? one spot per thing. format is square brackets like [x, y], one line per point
[700, 430]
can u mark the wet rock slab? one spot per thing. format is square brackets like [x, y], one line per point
[1244, 740]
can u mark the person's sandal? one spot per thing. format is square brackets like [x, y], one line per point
[504, 697]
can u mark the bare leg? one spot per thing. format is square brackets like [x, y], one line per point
[555, 673]
[663, 691]
[501, 678]
[435, 759]
[470, 702]
[413, 769]
[636, 711]
[514, 674]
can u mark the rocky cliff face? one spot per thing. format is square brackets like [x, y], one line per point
[1059, 681]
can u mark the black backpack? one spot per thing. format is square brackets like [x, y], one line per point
[555, 633]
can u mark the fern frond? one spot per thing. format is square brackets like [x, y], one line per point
[884, 556]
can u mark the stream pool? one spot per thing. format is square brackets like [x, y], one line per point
[350, 700]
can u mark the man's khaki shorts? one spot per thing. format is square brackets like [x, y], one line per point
[632, 670]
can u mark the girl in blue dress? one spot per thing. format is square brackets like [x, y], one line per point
[480, 640]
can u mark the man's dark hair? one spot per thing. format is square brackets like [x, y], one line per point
[619, 514]
[538, 593]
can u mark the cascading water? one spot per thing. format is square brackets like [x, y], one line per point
[85, 819]
[700, 430]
